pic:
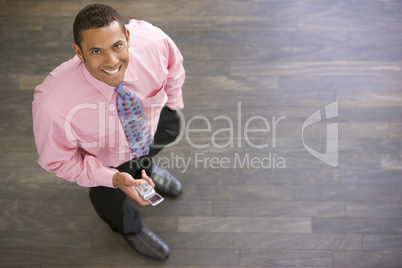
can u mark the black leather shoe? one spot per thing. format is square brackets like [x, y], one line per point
[149, 244]
[165, 182]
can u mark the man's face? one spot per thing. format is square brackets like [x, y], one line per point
[105, 53]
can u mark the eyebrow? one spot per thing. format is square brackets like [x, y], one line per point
[94, 48]
[98, 48]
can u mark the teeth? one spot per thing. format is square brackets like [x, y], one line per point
[112, 72]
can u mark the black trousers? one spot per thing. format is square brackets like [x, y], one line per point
[112, 204]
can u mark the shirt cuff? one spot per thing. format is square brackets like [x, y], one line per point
[104, 177]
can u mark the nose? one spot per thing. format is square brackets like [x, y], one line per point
[111, 60]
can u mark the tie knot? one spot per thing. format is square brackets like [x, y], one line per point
[121, 89]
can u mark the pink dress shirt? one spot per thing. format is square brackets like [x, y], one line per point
[77, 130]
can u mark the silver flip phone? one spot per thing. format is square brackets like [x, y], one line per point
[148, 193]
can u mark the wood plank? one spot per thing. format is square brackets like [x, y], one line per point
[267, 97]
[357, 130]
[357, 225]
[207, 68]
[56, 216]
[231, 83]
[35, 62]
[382, 242]
[29, 239]
[262, 38]
[368, 99]
[9, 215]
[29, 82]
[286, 258]
[375, 83]
[244, 225]
[349, 192]
[32, 191]
[176, 207]
[28, 24]
[370, 114]
[371, 177]
[383, 38]
[392, 9]
[14, 159]
[238, 192]
[297, 113]
[279, 209]
[170, 224]
[368, 258]
[391, 161]
[207, 257]
[291, 51]
[121, 256]
[109, 266]
[32, 8]
[220, 23]
[231, 266]
[395, 130]
[374, 209]
[314, 69]
[184, 9]
[340, 9]
[338, 20]
[264, 241]
[37, 175]
[370, 145]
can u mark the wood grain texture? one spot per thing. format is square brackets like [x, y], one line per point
[367, 259]
[273, 58]
[357, 225]
[286, 258]
[244, 225]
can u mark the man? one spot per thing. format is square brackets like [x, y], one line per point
[96, 115]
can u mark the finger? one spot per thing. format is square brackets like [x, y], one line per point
[140, 201]
[136, 197]
[147, 178]
[144, 175]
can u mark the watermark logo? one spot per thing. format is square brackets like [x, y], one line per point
[330, 156]
[257, 132]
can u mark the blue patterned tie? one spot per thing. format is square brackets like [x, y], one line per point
[132, 117]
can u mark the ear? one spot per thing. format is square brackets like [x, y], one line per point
[128, 36]
[78, 52]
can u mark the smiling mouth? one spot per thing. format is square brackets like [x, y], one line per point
[112, 71]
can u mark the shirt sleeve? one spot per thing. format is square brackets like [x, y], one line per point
[176, 76]
[62, 156]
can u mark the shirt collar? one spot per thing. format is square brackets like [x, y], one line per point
[102, 87]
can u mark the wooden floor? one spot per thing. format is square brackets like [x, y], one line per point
[252, 198]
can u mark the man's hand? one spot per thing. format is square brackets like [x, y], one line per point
[126, 183]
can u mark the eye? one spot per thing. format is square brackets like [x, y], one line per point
[118, 46]
[95, 52]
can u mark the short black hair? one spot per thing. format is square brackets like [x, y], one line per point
[95, 16]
